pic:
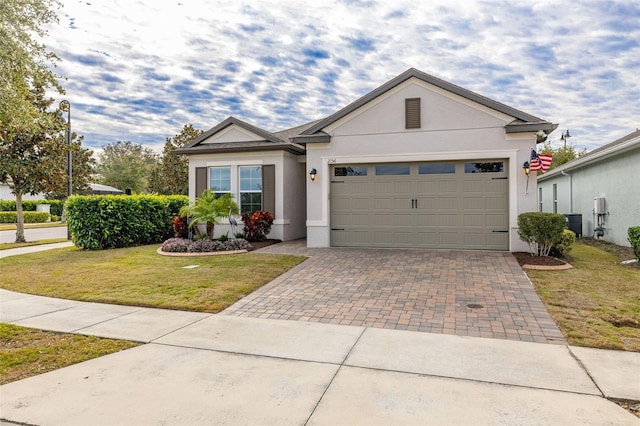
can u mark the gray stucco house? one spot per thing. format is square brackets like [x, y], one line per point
[417, 162]
[602, 186]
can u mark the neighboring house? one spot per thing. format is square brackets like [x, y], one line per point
[99, 189]
[418, 162]
[602, 186]
[6, 194]
[94, 188]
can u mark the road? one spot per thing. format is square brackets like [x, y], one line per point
[35, 234]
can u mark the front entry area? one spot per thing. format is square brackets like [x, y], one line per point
[448, 205]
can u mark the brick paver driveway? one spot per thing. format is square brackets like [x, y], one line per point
[468, 293]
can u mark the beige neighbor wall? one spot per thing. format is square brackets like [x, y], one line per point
[290, 206]
[453, 128]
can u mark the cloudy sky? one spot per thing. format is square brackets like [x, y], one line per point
[140, 70]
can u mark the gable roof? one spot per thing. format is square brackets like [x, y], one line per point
[617, 147]
[270, 141]
[523, 122]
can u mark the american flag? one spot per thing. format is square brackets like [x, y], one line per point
[539, 161]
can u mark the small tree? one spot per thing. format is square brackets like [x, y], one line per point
[541, 231]
[208, 209]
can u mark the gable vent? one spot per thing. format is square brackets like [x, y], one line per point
[412, 113]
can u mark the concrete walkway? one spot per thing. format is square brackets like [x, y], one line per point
[200, 368]
[33, 249]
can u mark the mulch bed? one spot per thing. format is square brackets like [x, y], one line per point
[255, 245]
[525, 258]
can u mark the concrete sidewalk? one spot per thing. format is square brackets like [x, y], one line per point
[34, 249]
[217, 369]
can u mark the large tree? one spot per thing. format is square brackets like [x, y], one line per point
[171, 174]
[126, 165]
[561, 155]
[28, 148]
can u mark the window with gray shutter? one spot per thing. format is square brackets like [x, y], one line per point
[412, 113]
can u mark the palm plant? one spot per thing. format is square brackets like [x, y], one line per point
[208, 210]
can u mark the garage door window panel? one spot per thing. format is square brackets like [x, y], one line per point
[437, 168]
[393, 170]
[350, 171]
[488, 167]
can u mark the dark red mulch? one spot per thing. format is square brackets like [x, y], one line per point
[525, 258]
[255, 245]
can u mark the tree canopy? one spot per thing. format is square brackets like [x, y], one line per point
[171, 174]
[126, 165]
[25, 66]
[561, 155]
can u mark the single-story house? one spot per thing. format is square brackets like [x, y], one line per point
[601, 189]
[417, 162]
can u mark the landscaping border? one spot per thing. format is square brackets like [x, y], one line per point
[199, 254]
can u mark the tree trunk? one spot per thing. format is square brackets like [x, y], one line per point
[210, 230]
[20, 220]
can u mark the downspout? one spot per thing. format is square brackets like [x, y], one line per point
[570, 189]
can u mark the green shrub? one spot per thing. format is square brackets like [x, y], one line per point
[634, 239]
[257, 225]
[31, 206]
[541, 231]
[29, 217]
[561, 248]
[112, 221]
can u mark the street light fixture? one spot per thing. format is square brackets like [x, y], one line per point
[65, 106]
[565, 136]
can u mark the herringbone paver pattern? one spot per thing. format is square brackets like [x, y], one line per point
[469, 293]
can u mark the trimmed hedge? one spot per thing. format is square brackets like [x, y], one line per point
[112, 221]
[30, 206]
[29, 217]
[541, 231]
[634, 239]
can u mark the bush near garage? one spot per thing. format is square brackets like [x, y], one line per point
[541, 231]
[30, 206]
[561, 248]
[634, 239]
[29, 217]
[99, 222]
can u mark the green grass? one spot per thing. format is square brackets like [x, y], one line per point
[595, 304]
[139, 276]
[26, 352]
[7, 246]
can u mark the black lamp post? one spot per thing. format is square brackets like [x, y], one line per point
[66, 106]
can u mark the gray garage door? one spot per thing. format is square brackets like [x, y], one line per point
[457, 205]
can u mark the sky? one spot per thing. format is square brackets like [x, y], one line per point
[139, 70]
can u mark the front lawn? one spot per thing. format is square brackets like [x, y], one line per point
[7, 246]
[139, 276]
[597, 303]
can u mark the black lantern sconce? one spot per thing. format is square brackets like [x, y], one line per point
[312, 174]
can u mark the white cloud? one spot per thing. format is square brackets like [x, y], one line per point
[140, 70]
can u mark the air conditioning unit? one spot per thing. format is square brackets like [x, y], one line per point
[599, 205]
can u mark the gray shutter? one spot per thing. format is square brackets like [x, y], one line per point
[412, 113]
[201, 180]
[269, 188]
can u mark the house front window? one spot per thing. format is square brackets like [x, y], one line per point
[250, 188]
[220, 180]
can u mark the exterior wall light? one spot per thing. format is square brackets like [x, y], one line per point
[526, 168]
[312, 174]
